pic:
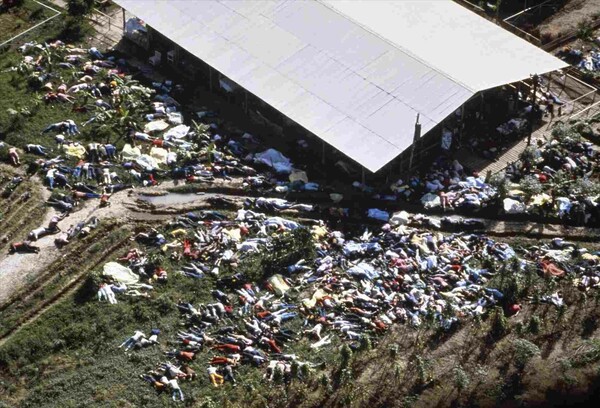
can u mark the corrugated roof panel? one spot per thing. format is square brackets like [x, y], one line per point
[284, 93]
[315, 114]
[398, 131]
[281, 46]
[451, 39]
[344, 136]
[252, 8]
[367, 107]
[334, 34]
[362, 68]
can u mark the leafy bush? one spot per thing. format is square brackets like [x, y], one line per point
[365, 343]
[499, 325]
[73, 29]
[79, 8]
[531, 186]
[461, 379]
[590, 356]
[346, 355]
[524, 351]
[585, 31]
[584, 186]
[284, 250]
[500, 182]
[534, 325]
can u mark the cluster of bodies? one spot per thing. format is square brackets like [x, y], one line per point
[586, 61]
[162, 147]
[557, 164]
[165, 147]
[446, 185]
[356, 287]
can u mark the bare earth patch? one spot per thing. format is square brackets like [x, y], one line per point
[574, 12]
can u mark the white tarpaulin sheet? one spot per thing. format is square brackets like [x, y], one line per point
[178, 132]
[120, 273]
[274, 159]
[355, 73]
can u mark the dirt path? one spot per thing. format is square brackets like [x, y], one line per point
[17, 270]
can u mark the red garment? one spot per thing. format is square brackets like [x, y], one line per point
[550, 269]
[273, 345]
[230, 347]
[187, 248]
[264, 314]
[186, 355]
[514, 309]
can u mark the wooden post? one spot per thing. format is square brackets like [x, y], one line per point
[535, 80]
[591, 104]
[481, 106]
[363, 178]
[123, 10]
[416, 137]
[462, 123]
[246, 102]
[210, 78]
[322, 152]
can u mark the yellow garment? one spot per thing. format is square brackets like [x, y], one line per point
[540, 199]
[77, 151]
[131, 153]
[318, 232]
[279, 284]
[318, 295]
[590, 257]
[174, 244]
[298, 175]
[216, 379]
[159, 154]
[235, 234]
[516, 193]
[420, 243]
[179, 232]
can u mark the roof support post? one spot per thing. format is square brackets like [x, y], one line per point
[322, 152]
[481, 105]
[363, 178]
[535, 79]
[210, 78]
[123, 10]
[462, 123]
[591, 104]
[416, 137]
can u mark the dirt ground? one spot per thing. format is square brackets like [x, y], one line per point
[17, 270]
[574, 12]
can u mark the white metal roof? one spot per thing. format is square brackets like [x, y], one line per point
[355, 73]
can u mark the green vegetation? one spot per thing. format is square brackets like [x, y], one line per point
[79, 8]
[23, 15]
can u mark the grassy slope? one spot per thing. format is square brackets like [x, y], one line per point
[72, 357]
[20, 19]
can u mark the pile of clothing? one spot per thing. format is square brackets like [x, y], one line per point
[448, 186]
[564, 170]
